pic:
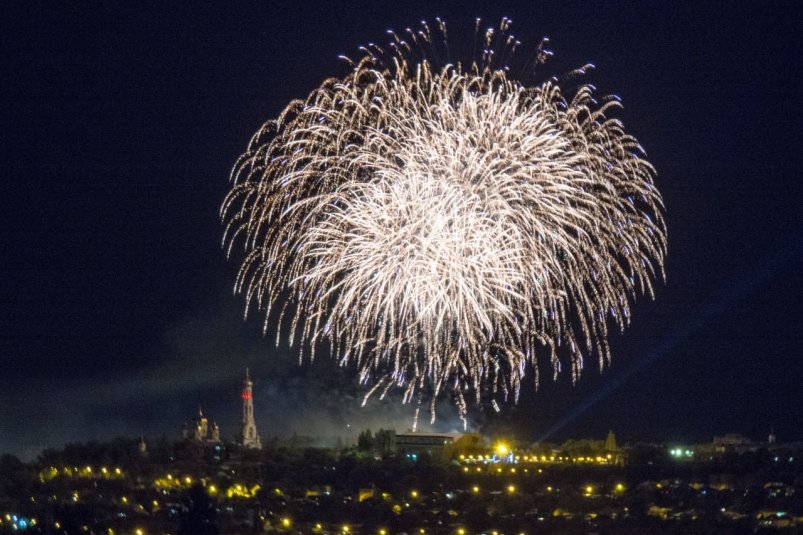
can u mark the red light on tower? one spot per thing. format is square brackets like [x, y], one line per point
[246, 395]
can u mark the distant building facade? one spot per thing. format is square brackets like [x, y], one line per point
[613, 453]
[439, 446]
[733, 442]
[249, 437]
[200, 430]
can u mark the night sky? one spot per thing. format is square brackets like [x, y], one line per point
[120, 124]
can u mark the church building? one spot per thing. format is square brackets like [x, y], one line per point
[249, 437]
[199, 430]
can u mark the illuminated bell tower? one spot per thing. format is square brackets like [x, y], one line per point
[248, 436]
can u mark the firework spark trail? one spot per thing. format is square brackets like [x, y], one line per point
[440, 228]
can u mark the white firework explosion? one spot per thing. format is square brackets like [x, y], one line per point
[441, 228]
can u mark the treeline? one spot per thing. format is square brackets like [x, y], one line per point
[116, 452]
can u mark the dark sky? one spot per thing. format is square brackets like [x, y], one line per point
[120, 123]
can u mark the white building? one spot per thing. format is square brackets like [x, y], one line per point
[249, 437]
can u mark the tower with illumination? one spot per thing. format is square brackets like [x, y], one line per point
[249, 437]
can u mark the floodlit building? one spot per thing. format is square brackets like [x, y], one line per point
[200, 430]
[439, 446]
[610, 445]
[249, 437]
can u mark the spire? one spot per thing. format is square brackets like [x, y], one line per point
[249, 437]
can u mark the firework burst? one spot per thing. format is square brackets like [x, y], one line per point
[442, 228]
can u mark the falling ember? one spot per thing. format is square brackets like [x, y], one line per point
[441, 227]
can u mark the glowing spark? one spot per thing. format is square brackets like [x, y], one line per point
[439, 228]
